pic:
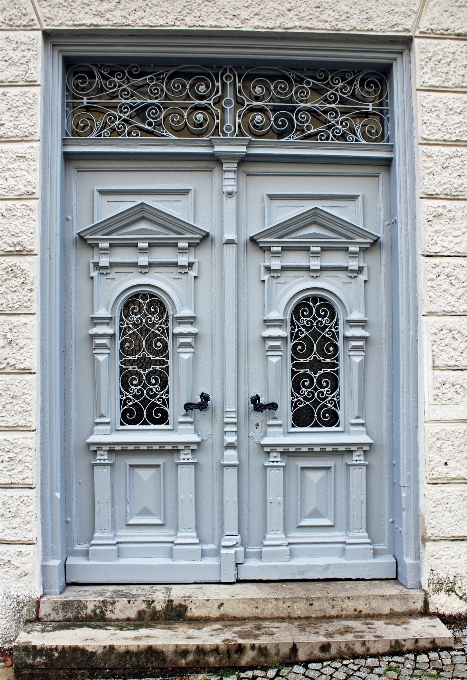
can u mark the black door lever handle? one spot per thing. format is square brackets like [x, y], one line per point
[258, 406]
[201, 405]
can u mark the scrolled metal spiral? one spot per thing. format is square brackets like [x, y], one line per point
[195, 101]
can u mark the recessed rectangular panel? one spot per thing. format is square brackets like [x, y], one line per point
[143, 477]
[177, 201]
[145, 493]
[315, 494]
[282, 206]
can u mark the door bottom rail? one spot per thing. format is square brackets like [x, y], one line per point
[208, 570]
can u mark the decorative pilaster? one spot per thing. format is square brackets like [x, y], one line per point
[275, 548]
[101, 334]
[103, 547]
[229, 151]
[356, 336]
[186, 545]
[185, 334]
[358, 545]
[274, 338]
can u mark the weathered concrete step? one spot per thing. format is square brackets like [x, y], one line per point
[49, 646]
[232, 601]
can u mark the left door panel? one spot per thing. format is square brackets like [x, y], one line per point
[142, 493]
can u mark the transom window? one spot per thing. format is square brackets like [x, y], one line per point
[108, 100]
[144, 361]
[314, 348]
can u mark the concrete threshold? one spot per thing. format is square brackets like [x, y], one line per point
[241, 600]
[75, 648]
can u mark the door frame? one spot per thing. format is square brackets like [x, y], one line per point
[393, 54]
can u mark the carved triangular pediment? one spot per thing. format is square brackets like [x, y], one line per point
[314, 227]
[143, 222]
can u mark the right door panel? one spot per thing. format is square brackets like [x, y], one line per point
[316, 314]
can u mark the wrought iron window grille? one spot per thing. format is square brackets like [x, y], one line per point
[144, 361]
[314, 350]
[108, 100]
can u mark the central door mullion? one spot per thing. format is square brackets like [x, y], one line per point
[230, 151]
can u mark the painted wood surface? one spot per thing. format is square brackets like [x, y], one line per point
[230, 246]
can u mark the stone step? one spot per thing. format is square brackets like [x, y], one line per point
[77, 649]
[324, 599]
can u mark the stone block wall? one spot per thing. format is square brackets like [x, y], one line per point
[441, 85]
[20, 57]
[440, 82]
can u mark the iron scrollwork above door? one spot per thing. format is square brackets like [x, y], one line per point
[108, 100]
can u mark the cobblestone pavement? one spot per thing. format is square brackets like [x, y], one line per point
[439, 664]
[450, 664]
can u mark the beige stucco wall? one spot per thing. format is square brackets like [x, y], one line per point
[439, 28]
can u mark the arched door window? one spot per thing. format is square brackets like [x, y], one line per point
[144, 356]
[315, 370]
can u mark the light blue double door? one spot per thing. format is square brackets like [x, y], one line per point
[280, 292]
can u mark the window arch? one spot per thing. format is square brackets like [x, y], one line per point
[315, 363]
[144, 360]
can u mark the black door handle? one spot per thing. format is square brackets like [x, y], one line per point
[201, 405]
[258, 406]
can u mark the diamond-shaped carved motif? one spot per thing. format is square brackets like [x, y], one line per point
[316, 497]
[145, 494]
